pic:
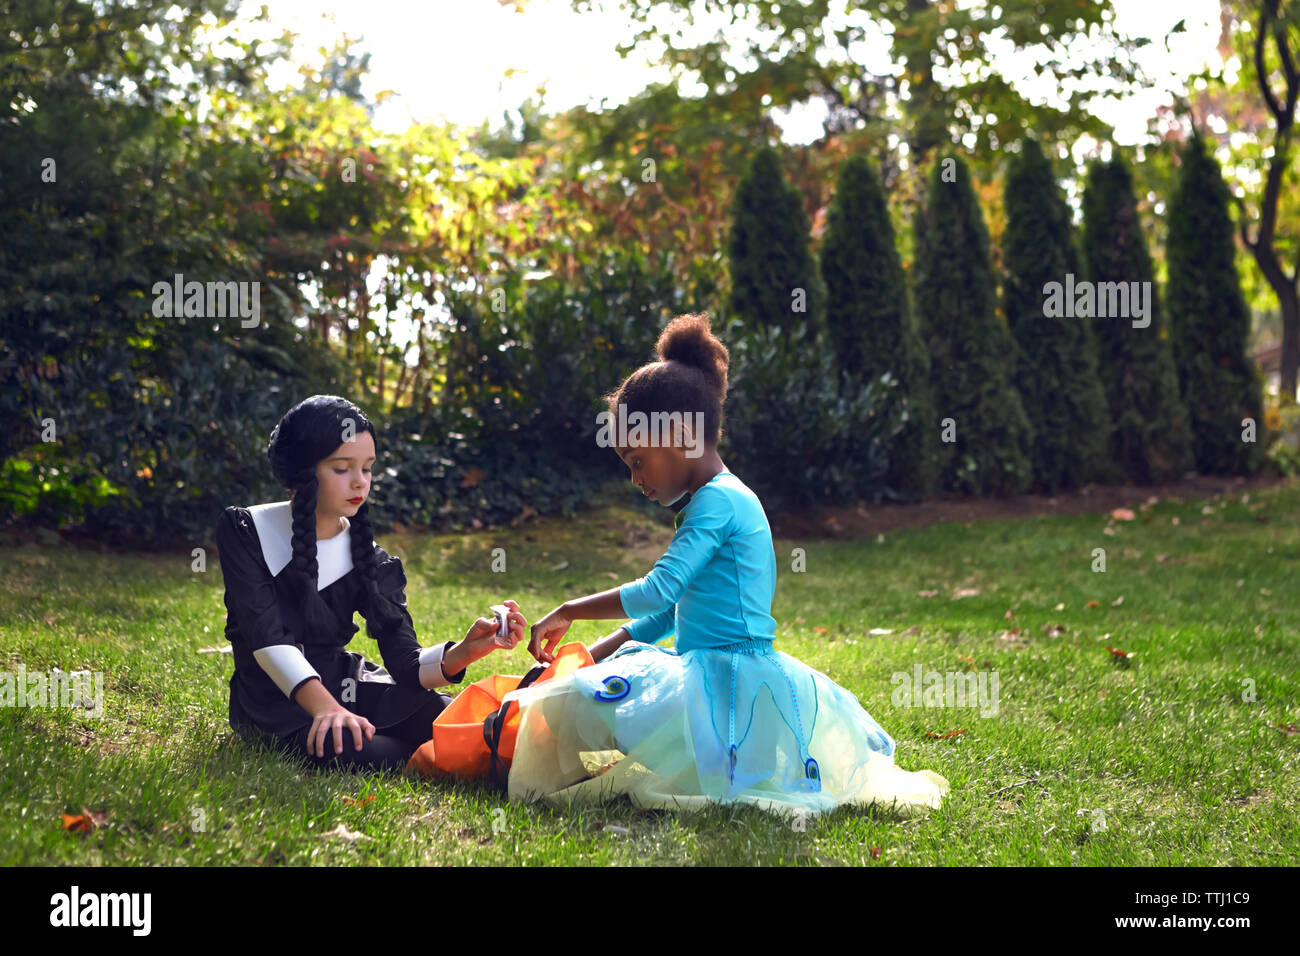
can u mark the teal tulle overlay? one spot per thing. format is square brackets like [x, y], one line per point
[684, 730]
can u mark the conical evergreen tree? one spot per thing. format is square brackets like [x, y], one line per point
[984, 449]
[1208, 320]
[869, 322]
[1056, 372]
[1150, 440]
[774, 277]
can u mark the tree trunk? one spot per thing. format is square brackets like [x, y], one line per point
[1290, 300]
[1262, 247]
[926, 106]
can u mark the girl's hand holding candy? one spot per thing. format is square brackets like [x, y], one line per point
[484, 635]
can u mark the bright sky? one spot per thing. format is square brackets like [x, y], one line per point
[450, 58]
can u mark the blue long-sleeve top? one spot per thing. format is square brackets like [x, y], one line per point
[714, 585]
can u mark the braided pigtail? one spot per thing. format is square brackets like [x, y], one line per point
[315, 613]
[378, 608]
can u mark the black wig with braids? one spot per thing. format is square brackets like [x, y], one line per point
[307, 433]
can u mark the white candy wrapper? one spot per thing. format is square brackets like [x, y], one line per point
[503, 625]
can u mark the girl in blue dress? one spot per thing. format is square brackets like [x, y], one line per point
[722, 717]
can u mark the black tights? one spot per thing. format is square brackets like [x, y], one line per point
[388, 749]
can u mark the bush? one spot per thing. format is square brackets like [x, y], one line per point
[799, 432]
[770, 253]
[1151, 439]
[1208, 319]
[869, 321]
[148, 456]
[1057, 370]
[517, 422]
[971, 350]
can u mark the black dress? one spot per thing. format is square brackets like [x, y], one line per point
[262, 615]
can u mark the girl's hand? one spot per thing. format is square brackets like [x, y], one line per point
[333, 722]
[546, 634]
[481, 635]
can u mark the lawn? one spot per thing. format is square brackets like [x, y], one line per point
[1183, 753]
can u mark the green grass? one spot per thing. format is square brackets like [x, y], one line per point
[1185, 771]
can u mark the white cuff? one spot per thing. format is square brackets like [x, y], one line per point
[286, 665]
[431, 673]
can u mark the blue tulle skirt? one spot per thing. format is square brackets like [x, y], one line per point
[745, 725]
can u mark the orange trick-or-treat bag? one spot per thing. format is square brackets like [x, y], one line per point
[459, 745]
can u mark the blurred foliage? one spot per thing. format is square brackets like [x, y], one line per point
[475, 291]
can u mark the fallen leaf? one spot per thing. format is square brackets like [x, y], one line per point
[359, 802]
[1010, 635]
[820, 630]
[472, 478]
[1054, 630]
[1118, 601]
[927, 593]
[85, 821]
[1122, 514]
[1060, 607]
[343, 833]
[1122, 655]
[1161, 558]
[946, 736]
[47, 618]
[1265, 591]
[914, 629]
[1093, 604]
[1009, 615]
[1289, 729]
[875, 853]
[78, 823]
[965, 592]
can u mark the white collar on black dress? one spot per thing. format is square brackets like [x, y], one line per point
[274, 524]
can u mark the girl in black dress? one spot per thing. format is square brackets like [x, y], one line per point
[296, 572]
